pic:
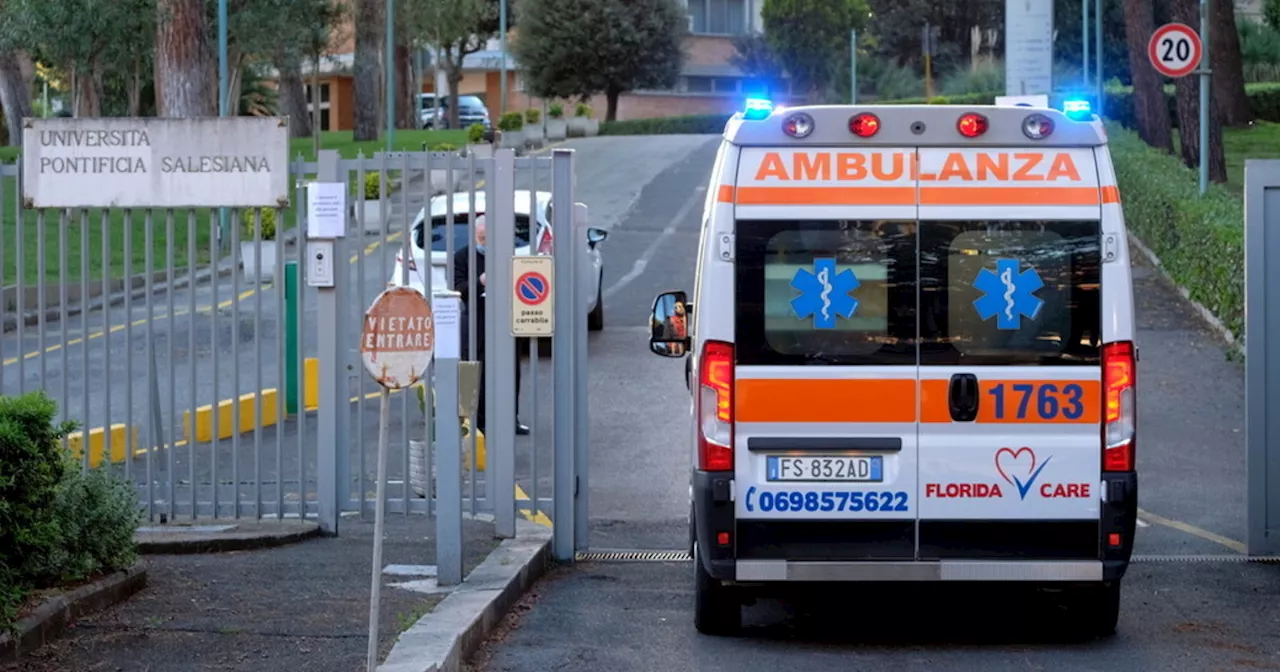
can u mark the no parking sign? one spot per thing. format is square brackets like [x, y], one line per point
[533, 310]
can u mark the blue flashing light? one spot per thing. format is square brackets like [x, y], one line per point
[757, 108]
[1077, 110]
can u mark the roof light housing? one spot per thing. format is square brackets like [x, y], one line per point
[757, 109]
[972, 125]
[1078, 109]
[1037, 126]
[798, 125]
[864, 124]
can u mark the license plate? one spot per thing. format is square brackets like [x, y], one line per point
[849, 468]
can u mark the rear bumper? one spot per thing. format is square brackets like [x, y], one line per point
[948, 551]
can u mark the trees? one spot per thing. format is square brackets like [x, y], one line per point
[754, 58]
[183, 63]
[806, 33]
[1229, 97]
[1188, 99]
[1149, 107]
[578, 48]
[457, 28]
[368, 68]
[15, 96]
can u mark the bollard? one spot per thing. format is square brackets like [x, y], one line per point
[291, 380]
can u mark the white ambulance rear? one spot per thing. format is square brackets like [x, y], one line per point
[911, 335]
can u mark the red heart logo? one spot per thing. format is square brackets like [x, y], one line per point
[1010, 461]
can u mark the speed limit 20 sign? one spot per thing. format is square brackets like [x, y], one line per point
[1175, 50]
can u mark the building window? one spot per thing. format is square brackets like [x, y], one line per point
[720, 17]
[697, 84]
[324, 92]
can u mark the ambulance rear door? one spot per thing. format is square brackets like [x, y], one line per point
[825, 397]
[1010, 352]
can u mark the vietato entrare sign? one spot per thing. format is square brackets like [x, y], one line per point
[155, 162]
[398, 337]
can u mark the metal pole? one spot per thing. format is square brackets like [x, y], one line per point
[331, 436]
[581, 425]
[391, 74]
[379, 525]
[500, 356]
[1205, 68]
[224, 102]
[853, 67]
[502, 36]
[1262, 376]
[448, 448]
[562, 189]
[1084, 44]
[1097, 30]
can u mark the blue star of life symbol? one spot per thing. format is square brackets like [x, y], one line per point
[824, 293]
[1007, 294]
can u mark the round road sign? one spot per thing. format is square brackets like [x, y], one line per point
[398, 337]
[1175, 50]
[532, 288]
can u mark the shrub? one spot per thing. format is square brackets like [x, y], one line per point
[444, 147]
[1199, 240]
[698, 123]
[97, 515]
[511, 121]
[475, 134]
[247, 224]
[32, 465]
[939, 100]
[582, 110]
[372, 186]
[532, 115]
[555, 111]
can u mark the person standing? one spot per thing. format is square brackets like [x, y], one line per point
[462, 282]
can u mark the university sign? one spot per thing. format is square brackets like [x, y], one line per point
[155, 162]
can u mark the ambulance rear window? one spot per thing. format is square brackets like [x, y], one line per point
[825, 292]
[1010, 293]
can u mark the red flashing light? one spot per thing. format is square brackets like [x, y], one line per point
[864, 125]
[972, 125]
[715, 407]
[722, 538]
[1119, 423]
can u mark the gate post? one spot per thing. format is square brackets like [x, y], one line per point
[1262, 373]
[581, 423]
[500, 345]
[331, 437]
[562, 356]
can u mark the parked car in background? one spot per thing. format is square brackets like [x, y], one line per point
[533, 236]
[433, 112]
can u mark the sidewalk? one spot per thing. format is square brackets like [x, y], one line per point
[303, 606]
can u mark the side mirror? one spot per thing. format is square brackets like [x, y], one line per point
[596, 236]
[669, 325]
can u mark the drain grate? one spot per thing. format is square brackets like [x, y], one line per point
[639, 555]
[633, 556]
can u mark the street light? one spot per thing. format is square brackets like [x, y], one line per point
[390, 59]
[224, 104]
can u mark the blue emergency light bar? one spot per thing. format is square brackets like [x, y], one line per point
[1077, 110]
[757, 108]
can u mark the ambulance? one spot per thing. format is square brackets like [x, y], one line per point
[911, 358]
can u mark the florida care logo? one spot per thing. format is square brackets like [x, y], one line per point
[1017, 471]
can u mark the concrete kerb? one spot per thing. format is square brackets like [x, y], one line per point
[222, 536]
[51, 618]
[452, 632]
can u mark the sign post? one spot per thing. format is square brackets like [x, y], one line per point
[1262, 376]
[397, 340]
[1028, 38]
[1175, 50]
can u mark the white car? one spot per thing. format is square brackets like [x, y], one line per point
[525, 232]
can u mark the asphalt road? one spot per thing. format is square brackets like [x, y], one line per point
[1188, 602]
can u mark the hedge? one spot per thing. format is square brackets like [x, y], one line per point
[1200, 241]
[1265, 99]
[59, 524]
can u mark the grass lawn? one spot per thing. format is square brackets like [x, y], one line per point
[1260, 141]
[206, 219]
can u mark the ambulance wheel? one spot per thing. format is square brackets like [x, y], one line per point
[1099, 609]
[717, 609]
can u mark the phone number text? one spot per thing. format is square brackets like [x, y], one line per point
[814, 501]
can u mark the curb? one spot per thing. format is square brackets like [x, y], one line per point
[1216, 325]
[52, 618]
[452, 632]
[225, 542]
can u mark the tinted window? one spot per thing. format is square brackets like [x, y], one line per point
[1022, 293]
[825, 292]
[465, 102]
[462, 233]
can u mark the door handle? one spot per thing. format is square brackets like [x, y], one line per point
[963, 397]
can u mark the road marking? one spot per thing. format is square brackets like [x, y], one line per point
[1143, 523]
[541, 518]
[1194, 531]
[638, 268]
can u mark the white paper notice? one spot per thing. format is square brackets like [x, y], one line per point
[326, 210]
[447, 312]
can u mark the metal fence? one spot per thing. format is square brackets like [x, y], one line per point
[185, 342]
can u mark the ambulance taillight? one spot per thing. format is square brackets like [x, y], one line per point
[798, 125]
[1120, 410]
[864, 125]
[715, 407]
[972, 125]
